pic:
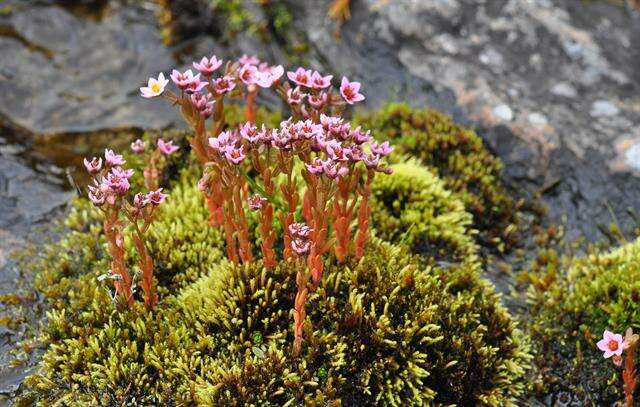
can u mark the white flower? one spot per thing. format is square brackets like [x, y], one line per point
[155, 87]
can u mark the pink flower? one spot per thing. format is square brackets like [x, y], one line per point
[156, 197]
[154, 87]
[281, 139]
[117, 181]
[320, 82]
[248, 74]
[248, 60]
[221, 142]
[122, 173]
[300, 247]
[300, 234]
[140, 201]
[138, 146]
[256, 202]
[196, 85]
[355, 153]
[372, 161]
[383, 149]
[182, 80]
[250, 133]
[97, 195]
[350, 91]
[300, 230]
[335, 151]
[112, 159]
[309, 130]
[611, 344]
[300, 77]
[295, 96]
[318, 101]
[359, 136]
[316, 167]
[167, 147]
[208, 66]
[334, 170]
[224, 84]
[94, 166]
[201, 102]
[270, 75]
[234, 155]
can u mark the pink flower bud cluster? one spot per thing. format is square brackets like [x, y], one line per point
[112, 182]
[108, 191]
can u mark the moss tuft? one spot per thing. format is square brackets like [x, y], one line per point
[459, 157]
[570, 308]
[412, 206]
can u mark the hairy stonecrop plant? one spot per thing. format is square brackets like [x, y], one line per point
[108, 192]
[251, 168]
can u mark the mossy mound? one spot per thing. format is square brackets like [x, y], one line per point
[390, 329]
[385, 330]
[412, 206]
[570, 308]
[459, 157]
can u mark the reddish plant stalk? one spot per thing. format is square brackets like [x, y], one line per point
[364, 212]
[242, 226]
[289, 190]
[299, 312]
[629, 375]
[146, 267]
[267, 232]
[317, 217]
[342, 216]
[115, 240]
[250, 107]
[268, 236]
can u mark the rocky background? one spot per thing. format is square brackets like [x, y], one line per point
[551, 85]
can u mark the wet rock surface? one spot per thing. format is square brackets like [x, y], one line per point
[551, 86]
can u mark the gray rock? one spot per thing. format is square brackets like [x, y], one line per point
[538, 119]
[564, 89]
[503, 112]
[603, 108]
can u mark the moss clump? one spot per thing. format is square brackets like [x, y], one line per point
[459, 157]
[412, 205]
[570, 308]
[389, 329]
[386, 330]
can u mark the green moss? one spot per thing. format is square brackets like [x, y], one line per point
[570, 308]
[412, 205]
[458, 156]
[385, 330]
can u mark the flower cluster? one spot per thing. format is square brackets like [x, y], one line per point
[614, 345]
[315, 148]
[108, 191]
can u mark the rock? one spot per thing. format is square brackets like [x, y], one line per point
[538, 119]
[603, 108]
[632, 157]
[503, 112]
[564, 89]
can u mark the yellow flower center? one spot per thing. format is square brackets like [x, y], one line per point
[155, 88]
